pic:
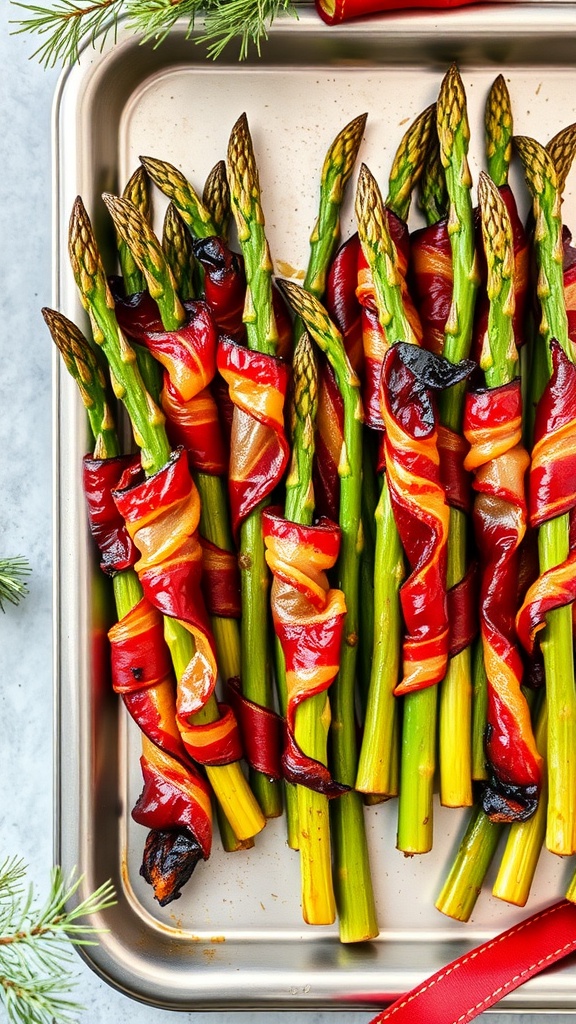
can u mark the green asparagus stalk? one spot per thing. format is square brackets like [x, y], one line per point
[432, 194]
[376, 761]
[562, 151]
[262, 336]
[377, 765]
[312, 718]
[147, 421]
[353, 887]
[137, 192]
[216, 198]
[498, 129]
[177, 248]
[409, 162]
[479, 713]
[525, 838]
[553, 539]
[146, 250]
[455, 705]
[336, 172]
[179, 191]
[475, 853]
[499, 356]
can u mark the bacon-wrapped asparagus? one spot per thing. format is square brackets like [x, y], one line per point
[550, 501]
[388, 315]
[354, 892]
[148, 426]
[493, 427]
[181, 832]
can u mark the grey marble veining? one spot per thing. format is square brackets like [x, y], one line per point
[26, 754]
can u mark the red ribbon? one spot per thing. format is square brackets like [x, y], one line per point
[344, 10]
[482, 977]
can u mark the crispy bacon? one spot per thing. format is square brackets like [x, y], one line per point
[142, 674]
[162, 514]
[493, 427]
[259, 450]
[552, 491]
[431, 280]
[188, 356]
[308, 620]
[175, 805]
[419, 505]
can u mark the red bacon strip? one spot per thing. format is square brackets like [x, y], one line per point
[175, 805]
[176, 798]
[99, 478]
[552, 491]
[419, 505]
[162, 514]
[308, 620]
[259, 450]
[188, 356]
[493, 427]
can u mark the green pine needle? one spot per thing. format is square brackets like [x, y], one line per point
[35, 944]
[66, 25]
[13, 572]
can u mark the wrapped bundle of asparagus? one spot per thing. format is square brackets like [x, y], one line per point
[322, 540]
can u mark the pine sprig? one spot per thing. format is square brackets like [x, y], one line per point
[35, 944]
[13, 573]
[245, 20]
[66, 25]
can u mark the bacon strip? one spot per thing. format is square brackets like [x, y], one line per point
[419, 505]
[142, 674]
[188, 356]
[259, 450]
[308, 620]
[173, 797]
[493, 427]
[162, 514]
[99, 478]
[552, 491]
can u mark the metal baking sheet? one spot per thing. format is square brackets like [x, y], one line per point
[236, 938]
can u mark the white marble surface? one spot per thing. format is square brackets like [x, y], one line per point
[26, 753]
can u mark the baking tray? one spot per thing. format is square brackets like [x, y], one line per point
[236, 938]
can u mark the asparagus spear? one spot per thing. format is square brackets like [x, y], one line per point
[525, 838]
[177, 248]
[553, 538]
[312, 718]
[498, 131]
[215, 521]
[433, 197]
[147, 421]
[456, 690]
[419, 726]
[137, 192]
[173, 184]
[475, 853]
[262, 336]
[354, 894]
[377, 762]
[336, 172]
[216, 198]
